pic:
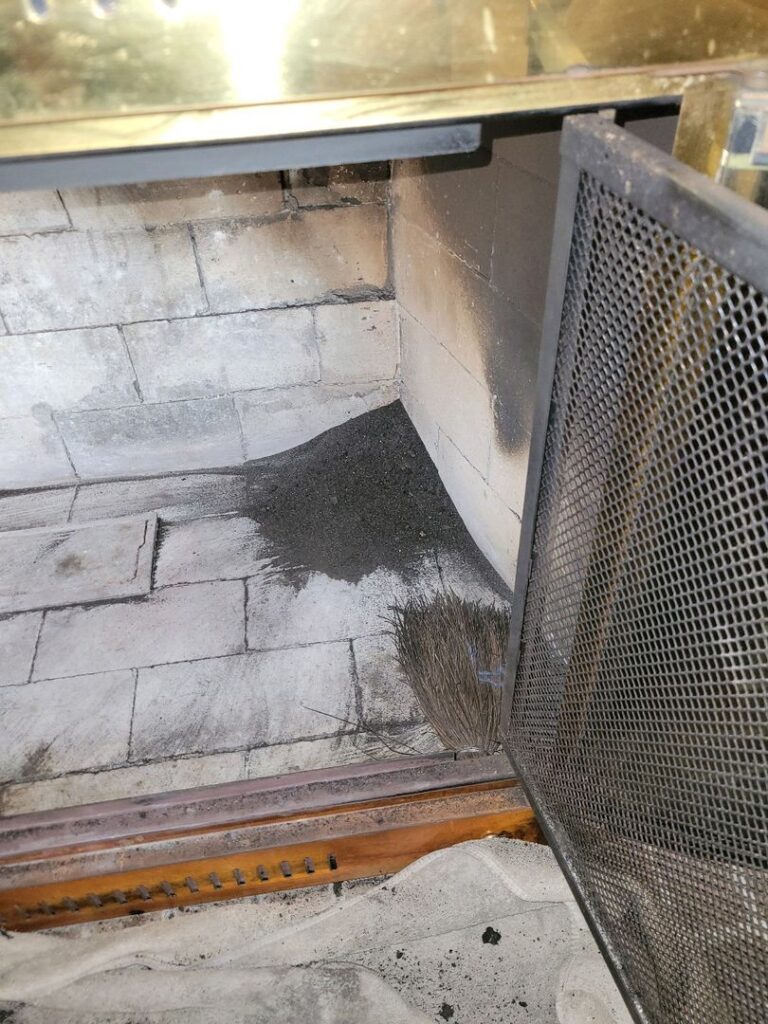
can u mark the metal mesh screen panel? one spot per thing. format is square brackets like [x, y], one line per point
[639, 713]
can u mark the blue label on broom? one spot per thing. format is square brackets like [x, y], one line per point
[488, 677]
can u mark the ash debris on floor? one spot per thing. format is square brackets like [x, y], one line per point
[361, 497]
[272, 586]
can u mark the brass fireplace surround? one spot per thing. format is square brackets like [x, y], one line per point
[84, 76]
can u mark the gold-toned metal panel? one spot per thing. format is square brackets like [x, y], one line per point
[79, 75]
[85, 57]
[723, 132]
[627, 33]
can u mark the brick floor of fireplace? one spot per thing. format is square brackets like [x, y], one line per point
[262, 646]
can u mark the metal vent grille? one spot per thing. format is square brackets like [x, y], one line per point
[639, 711]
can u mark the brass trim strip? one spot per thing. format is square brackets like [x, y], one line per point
[554, 93]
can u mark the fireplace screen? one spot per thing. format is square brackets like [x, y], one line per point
[638, 695]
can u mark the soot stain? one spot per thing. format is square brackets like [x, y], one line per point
[446, 1011]
[511, 357]
[37, 762]
[492, 936]
[56, 542]
[362, 496]
[70, 565]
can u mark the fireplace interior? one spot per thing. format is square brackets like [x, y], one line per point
[242, 418]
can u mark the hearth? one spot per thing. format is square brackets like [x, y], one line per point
[230, 450]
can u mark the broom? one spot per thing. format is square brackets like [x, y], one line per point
[452, 652]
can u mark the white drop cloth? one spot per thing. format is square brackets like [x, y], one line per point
[485, 931]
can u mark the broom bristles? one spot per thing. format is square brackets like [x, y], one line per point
[452, 652]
